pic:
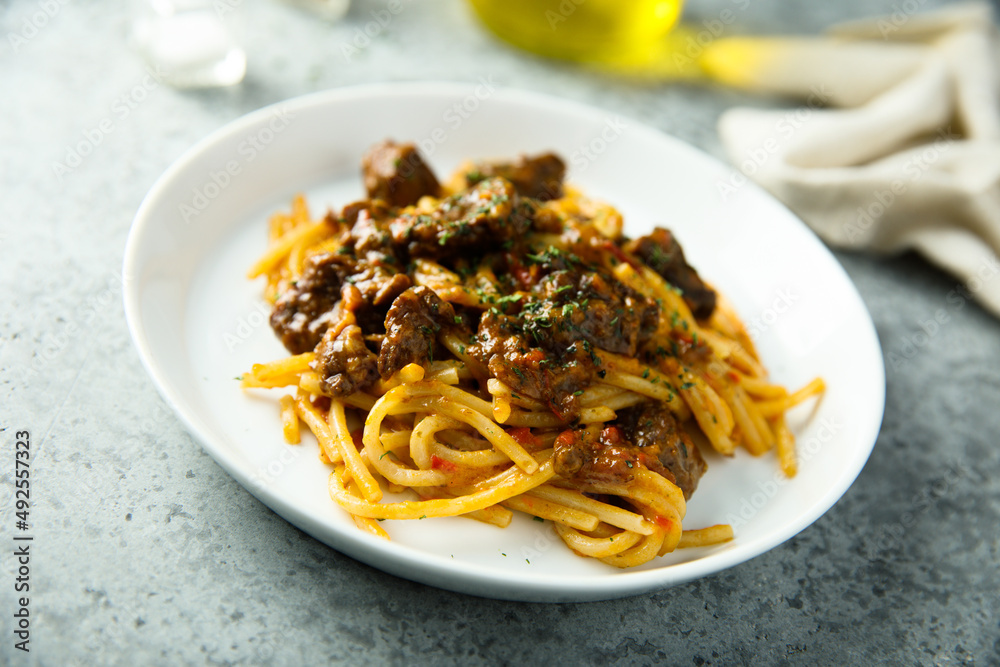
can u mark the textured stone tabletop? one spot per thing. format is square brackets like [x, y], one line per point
[146, 552]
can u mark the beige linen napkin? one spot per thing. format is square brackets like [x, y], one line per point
[898, 145]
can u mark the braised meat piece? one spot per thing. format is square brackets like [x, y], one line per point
[589, 459]
[482, 217]
[369, 225]
[547, 344]
[587, 307]
[646, 435]
[344, 363]
[662, 253]
[411, 328]
[539, 177]
[378, 285]
[653, 429]
[303, 312]
[553, 378]
[396, 174]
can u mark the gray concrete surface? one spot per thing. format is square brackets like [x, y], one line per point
[146, 552]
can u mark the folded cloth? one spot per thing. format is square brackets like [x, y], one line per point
[899, 144]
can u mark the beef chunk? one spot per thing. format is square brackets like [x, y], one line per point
[653, 429]
[662, 253]
[480, 218]
[371, 291]
[379, 285]
[553, 378]
[539, 177]
[646, 435]
[369, 225]
[397, 174]
[411, 328]
[345, 365]
[547, 345]
[303, 313]
[586, 307]
[589, 458]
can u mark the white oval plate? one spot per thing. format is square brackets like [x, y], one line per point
[197, 322]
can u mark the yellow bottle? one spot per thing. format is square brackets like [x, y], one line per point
[615, 33]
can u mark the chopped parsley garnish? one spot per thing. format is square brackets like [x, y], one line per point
[504, 300]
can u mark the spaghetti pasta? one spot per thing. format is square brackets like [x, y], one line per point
[496, 346]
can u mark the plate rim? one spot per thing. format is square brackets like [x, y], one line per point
[400, 559]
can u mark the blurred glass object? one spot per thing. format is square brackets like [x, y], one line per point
[620, 34]
[331, 10]
[188, 42]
